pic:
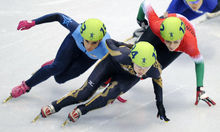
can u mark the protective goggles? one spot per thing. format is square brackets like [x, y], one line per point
[144, 68]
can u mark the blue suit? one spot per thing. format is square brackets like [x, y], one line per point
[181, 7]
[72, 59]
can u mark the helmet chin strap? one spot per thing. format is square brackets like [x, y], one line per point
[198, 11]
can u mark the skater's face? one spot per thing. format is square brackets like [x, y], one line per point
[140, 71]
[172, 45]
[91, 45]
[195, 5]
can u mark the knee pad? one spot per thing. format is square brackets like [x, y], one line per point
[59, 79]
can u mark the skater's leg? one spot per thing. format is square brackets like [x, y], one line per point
[64, 57]
[120, 84]
[77, 67]
[102, 72]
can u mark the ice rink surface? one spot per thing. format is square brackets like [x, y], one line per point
[23, 52]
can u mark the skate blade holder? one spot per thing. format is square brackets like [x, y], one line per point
[65, 122]
[36, 118]
[6, 100]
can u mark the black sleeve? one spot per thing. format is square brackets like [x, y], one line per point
[157, 83]
[112, 44]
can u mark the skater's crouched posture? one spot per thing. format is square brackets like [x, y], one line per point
[81, 48]
[126, 67]
[171, 37]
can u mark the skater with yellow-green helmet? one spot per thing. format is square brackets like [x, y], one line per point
[172, 36]
[82, 47]
[126, 65]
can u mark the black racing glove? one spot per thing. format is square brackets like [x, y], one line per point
[200, 95]
[161, 112]
[143, 23]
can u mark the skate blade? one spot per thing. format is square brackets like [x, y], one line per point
[65, 122]
[126, 40]
[36, 118]
[6, 100]
[212, 15]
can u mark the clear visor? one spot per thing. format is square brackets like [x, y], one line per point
[144, 68]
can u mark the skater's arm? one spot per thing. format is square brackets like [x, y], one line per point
[152, 18]
[199, 68]
[191, 49]
[64, 20]
[201, 94]
[157, 83]
[142, 22]
[194, 53]
[141, 15]
[155, 72]
[114, 45]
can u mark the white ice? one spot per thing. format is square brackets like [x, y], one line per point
[23, 52]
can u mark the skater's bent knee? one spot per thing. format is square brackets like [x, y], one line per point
[59, 80]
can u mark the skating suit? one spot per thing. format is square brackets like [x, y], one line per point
[181, 7]
[188, 44]
[118, 65]
[72, 59]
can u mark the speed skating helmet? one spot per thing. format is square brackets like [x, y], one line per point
[143, 54]
[172, 29]
[93, 29]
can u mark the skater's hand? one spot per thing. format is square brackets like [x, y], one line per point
[143, 23]
[161, 112]
[165, 15]
[24, 25]
[200, 95]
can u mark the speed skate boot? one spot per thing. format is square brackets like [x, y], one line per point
[19, 90]
[74, 115]
[47, 110]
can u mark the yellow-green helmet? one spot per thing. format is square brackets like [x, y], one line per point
[143, 54]
[172, 29]
[93, 29]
